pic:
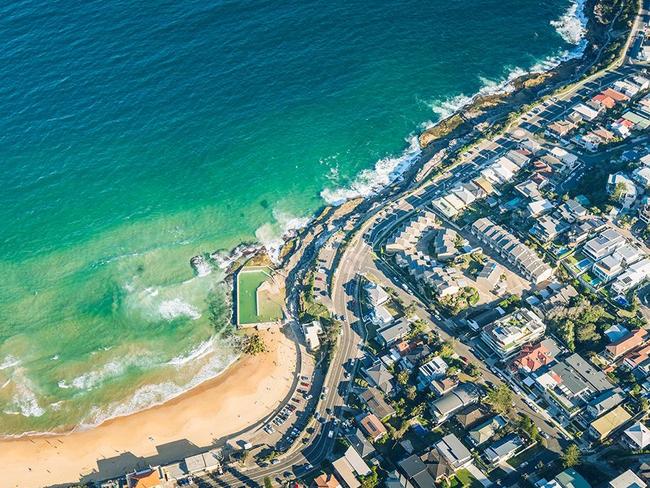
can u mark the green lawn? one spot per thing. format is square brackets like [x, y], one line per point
[464, 478]
[253, 306]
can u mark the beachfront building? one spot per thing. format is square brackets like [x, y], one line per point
[151, 477]
[311, 333]
[508, 334]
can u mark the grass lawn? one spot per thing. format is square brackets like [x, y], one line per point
[255, 304]
[463, 478]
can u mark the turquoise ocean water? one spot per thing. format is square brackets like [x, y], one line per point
[136, 135]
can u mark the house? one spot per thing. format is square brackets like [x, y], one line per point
[444, 281]
[536, 208]
[349, 466]
[624, 187]
[624, 86]
[631, 277]
[638, 361]
[508, 334]
[376, 294]
[615, 95]
[529, 189]
[560, 129]
[548, 228]
[569, 159]
[503, 449]
[640, 122]
[379, 376]
[415, 355]
[627, 480]
[490, 275]
[372, 426]
[443, 386]
[444, 244]
[604, 244]
[602, 101]
[374, 401]
[570, 384]
[511, 249]
[326, 481]
[642, 176]
[581, 112]
[484, 432]
[626, 344]
[392, 333]
[470, 416]
[570, 478]
[151, 477]
[533, 357]
[602, 427]
[572, 211]
[447, 456]
[205, 462]
[636, 437]
[604, 402]
[435, 369]
[311, 333]
[616, 332]
[463, 395]
[414, 473]
[360, 444]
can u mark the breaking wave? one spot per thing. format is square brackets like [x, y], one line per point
[273, 235]
[572, 26]
[371, 181]
[112, 369]
[24, 401]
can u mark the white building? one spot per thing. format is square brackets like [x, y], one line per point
[508, 334]
[311, 332]
[629, 193]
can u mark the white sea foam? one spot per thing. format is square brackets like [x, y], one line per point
[9, 362]
[112, 369]
[155, 394]
[272, 235]
[198, 352]
[171, 309]
[572, 26]
[24, 401]
[371, 181]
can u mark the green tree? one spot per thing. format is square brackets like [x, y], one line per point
[267, 482]
[527, 425]
[473, 370]
[571, 456]
[500, 399]
[371, 480]
[619, 190]
[416, 328]
[253, 344]
[587, 333]
[644, 405]
[411, 392]
[403, 377]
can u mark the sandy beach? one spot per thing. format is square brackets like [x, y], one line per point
[246, 393]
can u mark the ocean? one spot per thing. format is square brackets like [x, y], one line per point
[137, 135]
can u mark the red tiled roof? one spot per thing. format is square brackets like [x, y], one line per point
[604, 100]
[533, 357]
[635, 339]
[616, 95]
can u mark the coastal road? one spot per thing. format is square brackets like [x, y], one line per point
[319, 445]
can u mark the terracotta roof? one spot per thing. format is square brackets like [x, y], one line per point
[635, 339]
[145, 480]
[616, 95]
[633, 359]
[372, 426]
[604, 100]
[326, 481]
[533, 357]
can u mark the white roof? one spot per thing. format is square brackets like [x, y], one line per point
[639, 434]
[538, 206]
[627, 480]
[356, 461]
[585, 111]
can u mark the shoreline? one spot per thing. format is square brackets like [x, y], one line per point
[242, 396]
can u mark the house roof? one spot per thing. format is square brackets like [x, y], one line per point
[360, 444]
[635, 339]
[470, 415]
[627, 480]
[616, 95]
[570, 478]
[346, 472]
[372, 426]
[376, 403]
[327, 481]
[639, 435]
[146, 479]
[454, 452]
[610, 421]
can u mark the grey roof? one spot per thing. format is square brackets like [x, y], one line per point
[463, 395]
[504, 447]
[360, 444]
[454, 452]
[376, 403]
[606, 401]
[394, 331]
[416, 471]
[380, 376]
[595, 377]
